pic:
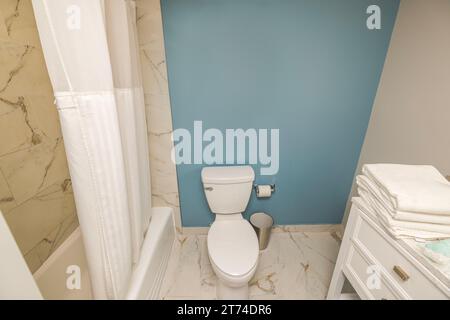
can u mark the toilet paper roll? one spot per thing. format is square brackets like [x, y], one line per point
[263, 191]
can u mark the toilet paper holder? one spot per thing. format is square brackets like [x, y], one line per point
[272, 187]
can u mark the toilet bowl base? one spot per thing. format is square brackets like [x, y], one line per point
[225, 292]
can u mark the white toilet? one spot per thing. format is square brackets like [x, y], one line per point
[232, 242]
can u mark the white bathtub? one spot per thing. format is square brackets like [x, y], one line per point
[147, 275]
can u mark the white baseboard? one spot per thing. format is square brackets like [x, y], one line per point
[276, 228]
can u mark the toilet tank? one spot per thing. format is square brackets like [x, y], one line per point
[228, 189]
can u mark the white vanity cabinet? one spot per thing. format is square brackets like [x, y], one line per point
[381, 267]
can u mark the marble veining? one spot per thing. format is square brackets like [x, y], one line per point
[296, 265]
[157, 105]
[35, 190]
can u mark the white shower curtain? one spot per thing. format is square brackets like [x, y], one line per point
[91, 52]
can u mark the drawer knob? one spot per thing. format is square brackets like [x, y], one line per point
[401, 273]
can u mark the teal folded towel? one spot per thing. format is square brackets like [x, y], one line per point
[441, 247]
[438, 251]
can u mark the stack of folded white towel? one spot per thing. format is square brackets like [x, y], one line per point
[410, 201]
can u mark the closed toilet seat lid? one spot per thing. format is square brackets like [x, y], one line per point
[233, 246]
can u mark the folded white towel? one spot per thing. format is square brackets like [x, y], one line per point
[364, 183]
[412, 188]
[399, 232]
[382, 214]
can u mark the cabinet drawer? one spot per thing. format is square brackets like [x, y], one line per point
[398, 268]
[369, 277]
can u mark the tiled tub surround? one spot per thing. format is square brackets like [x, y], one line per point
[35, 189]
[296, 265]
[157, 103]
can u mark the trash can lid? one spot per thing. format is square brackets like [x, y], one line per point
[261, 220]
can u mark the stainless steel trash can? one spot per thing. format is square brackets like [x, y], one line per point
[262, 223]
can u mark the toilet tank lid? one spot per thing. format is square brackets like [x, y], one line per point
[228, 175]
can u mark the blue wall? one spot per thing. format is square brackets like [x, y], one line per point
[308, 67]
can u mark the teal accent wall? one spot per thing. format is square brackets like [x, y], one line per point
[307, 67]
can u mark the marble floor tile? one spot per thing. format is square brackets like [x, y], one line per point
[296, 265]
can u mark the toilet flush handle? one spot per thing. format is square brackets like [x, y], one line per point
[209, 188]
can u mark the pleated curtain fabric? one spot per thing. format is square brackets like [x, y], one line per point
[92, 56]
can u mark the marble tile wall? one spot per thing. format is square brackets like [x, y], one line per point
[159, 116]
[35, 188]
